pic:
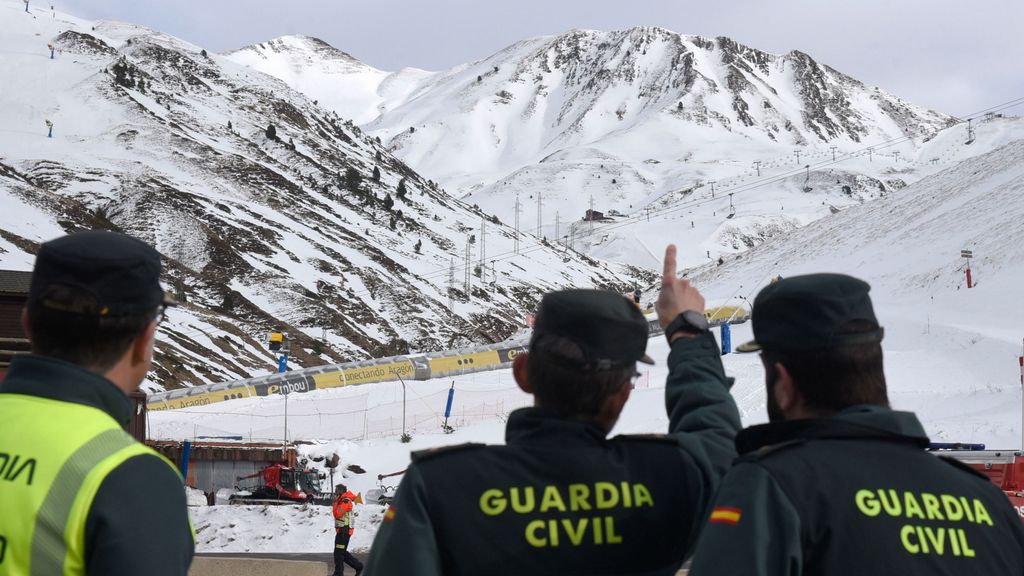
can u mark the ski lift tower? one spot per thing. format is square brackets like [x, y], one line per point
[49, 129]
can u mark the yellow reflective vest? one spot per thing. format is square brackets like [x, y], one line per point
[54, 456]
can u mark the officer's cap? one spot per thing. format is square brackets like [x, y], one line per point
[607, 328]
[119, 275]
[809, 312]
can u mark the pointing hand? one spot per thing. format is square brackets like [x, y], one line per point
[677, 294]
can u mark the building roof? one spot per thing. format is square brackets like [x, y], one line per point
[15, 281]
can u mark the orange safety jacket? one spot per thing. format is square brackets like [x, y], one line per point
[343, 516]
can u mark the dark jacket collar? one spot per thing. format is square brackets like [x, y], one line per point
[45, 377]
[538, 426]
[856, 422]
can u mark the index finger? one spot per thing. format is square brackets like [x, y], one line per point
[669, 273]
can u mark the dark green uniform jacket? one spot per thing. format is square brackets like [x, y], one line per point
[560, 498]
[855, 495]
[138, 523]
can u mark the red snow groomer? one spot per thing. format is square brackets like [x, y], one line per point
[279, 484]
[1005, 468]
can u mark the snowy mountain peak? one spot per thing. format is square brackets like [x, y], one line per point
[298, 50]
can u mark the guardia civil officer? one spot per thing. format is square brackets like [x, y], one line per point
[561, 497]
[79, 495]
[838, 483]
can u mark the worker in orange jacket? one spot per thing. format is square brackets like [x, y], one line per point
[344, 527]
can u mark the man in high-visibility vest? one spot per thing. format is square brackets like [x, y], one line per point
[344, 527]
[78, 494]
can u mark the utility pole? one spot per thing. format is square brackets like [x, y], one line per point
[469, 248]
[757, 165]
[483, 250]
[807, 167]
[558, 223]
[970, 132]
[518, 209]
[896, 156]
[494, 275]
[590, 215]
[870, 152]
[540, 205]
[1020, 360]
[451, 282]
[712, 182]
[833, 153]
[797, 152]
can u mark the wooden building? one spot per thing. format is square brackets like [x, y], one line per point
[13, 295]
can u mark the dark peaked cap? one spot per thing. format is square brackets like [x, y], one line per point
[608, 329]
[808, 313]
[120, 273]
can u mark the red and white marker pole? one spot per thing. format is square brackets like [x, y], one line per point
[968, 254]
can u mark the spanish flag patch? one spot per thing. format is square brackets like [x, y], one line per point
[723, 515]
[390, 514]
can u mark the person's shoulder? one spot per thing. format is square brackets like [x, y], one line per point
[654, 439]
[421, 456]
[771, 452]
[149, 468]
[962, 467]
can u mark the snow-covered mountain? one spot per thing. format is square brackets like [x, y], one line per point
[313, 227]
[629, 118]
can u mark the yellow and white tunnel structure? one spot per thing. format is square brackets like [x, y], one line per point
[406, 367]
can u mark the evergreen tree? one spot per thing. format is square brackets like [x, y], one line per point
[389, 202]
[271, 132]
[419, 244]
[402, 190]
[142, 85]
[120, 73]
[393, 222]
[353, 179]
[230, 127]
[377, 156]
[203, 52]
[376, 174]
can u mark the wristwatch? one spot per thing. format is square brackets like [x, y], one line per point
[689, 322]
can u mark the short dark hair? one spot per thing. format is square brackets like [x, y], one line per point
[836, 378]
[89, 340]
[568, 391]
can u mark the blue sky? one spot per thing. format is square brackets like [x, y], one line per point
[954, 56]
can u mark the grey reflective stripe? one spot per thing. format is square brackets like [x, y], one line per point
[48, 546]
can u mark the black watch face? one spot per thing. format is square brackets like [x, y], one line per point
[696, 319]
